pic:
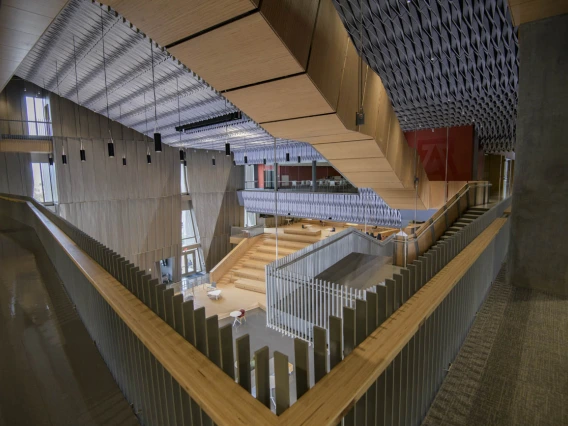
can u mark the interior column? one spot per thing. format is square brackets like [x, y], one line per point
[539, 224]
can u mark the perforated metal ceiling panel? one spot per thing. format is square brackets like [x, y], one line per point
[444, 63]
[129, 80]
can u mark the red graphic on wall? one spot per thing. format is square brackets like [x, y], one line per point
[432, 146]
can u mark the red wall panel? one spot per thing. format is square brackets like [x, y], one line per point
[431, 146]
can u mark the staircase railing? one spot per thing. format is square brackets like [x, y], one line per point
[409, 248]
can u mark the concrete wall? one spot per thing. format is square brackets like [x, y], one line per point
[539, 220]
[213, 192]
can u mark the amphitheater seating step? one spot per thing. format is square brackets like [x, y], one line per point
[254, 264]
[298, 238]
[266, 257]
[284, 243]
[253, 274]
[272, 250]
[251, 285]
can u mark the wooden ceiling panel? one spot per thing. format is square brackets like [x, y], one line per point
[308, 127]
[240, 53]
[362, 165]
[280, 100]
[328, 52]
[343, 137]
[168, 21]
[350, 150]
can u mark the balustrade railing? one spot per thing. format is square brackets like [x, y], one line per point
[381, 361]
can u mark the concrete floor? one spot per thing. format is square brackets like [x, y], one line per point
[50, 372]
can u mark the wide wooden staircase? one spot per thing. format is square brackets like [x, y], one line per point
[248, 272]
[469, 216]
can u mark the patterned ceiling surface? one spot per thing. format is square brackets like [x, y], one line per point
[444, 63]
[129, 79]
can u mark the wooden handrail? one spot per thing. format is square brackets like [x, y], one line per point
[217, 394]
[338, 391]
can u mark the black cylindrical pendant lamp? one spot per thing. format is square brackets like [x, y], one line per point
[64, 159]
[111, 150]
[181, 155]
[287, 156]
[246, 159]
[50, 159]
[185, 163]
[149, 158]
[83, 155]
[299, 159]
[227, 149]
[158, 142]
[264, 161]
[213, 161]
[124, 161]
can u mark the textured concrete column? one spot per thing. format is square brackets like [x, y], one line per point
[538, 250]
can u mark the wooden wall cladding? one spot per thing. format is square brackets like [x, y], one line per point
[350, 150]
[243, 52]
[280, 100]
[172, 20]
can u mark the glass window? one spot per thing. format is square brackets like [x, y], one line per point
[43, 175]
[189, 233]
[184, 188]
[38, 184]
[36, 111]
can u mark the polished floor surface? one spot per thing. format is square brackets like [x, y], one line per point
[51, 373]
[513, 366]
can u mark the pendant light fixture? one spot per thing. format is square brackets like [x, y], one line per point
[82, 150]
[360, 114]
[50, 159]
[264, 161]
[287, 156]
[181, 150]
[123, 155]
[157, 136]
[148, 156]
[111, 142]
[299, 159]
[246, 159]
[227, 144]
[213, 160]
[63, 156]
